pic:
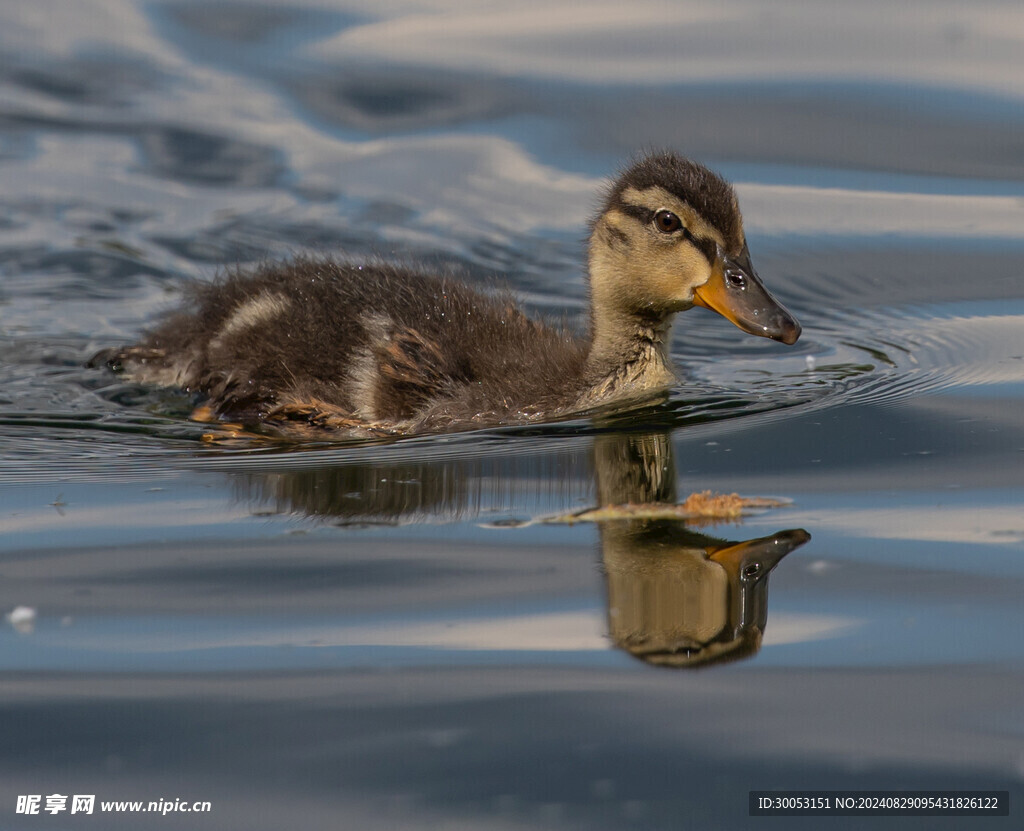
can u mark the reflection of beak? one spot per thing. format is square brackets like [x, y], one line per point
[752, 560]
[736, 293]
[748, 565]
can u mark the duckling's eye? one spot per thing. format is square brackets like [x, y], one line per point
[667, 222]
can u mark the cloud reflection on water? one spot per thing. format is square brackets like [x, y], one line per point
[608, 42]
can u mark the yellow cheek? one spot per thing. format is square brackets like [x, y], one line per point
[672, 273]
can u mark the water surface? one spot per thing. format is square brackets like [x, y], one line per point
[382, 634]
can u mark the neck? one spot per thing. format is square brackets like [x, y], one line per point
[628, 357]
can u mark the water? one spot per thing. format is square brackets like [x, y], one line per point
[388, 635]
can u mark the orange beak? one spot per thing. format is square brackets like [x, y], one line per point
[753, 559]
[737, 294]
[748, 565]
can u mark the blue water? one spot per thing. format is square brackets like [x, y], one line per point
[390, 634]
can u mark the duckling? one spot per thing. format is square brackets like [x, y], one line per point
[318, 344]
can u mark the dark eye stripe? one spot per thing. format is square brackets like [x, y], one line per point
[641, 215]
[645, 216]
[707, 247]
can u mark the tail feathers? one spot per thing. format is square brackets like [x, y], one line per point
[117, 358]
[147, 365]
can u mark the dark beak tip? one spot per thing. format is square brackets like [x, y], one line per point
[794, 536]
[790, 332]
[787, 541]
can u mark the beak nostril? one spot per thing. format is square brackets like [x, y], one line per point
[736, 280]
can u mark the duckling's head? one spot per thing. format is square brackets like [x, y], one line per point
[670, 236]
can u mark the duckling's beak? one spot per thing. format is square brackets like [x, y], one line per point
[752, 560]
[737, 294]
[748, 565]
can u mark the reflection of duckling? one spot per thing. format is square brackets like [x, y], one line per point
[677, 598]
[382, 348]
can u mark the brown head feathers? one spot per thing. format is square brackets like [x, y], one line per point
[706, 192]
